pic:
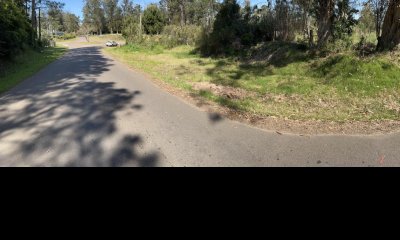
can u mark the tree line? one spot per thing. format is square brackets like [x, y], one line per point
[216, 27]
[320, 22]
[30, 23]
[228, 25]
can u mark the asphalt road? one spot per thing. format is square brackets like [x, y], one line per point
[88, 110]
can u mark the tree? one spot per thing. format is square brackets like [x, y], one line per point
[226, 30]
[282, 12]
[85, 30]
[153, 20]
[367, 19]
[129, 13]
[55, 16]
[33, 19]
[131, 26]
[379, 7]
[126, 8]
[305, 6]
[118, 20]
[263, 20]
[325, 18]
[71, 22]
[94, 15]
[111, 11]
[15, 29]
[390, 37]
[344, 19]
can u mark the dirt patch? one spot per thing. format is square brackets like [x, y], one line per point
[222, 91]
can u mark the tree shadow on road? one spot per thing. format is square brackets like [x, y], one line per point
[66, 116]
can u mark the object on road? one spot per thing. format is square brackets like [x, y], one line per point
[111, 44]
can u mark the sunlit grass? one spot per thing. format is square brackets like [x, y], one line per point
[106, 37]
[292, 84]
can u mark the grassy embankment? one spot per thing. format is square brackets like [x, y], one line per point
[25, 65]
[106, 37]
[280, 80]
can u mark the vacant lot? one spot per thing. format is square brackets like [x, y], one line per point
[281, 80]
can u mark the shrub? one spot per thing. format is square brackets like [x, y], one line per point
[45, 41]
[67, 36]
[173, 35]
[247, 38]
[15, 30]
[340, 45]
[153, 20]
[131, 31]
[364, 48]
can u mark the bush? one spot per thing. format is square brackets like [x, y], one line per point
[173, 35]
[131, 31]
[364, 48]
[67, 36]
[340, 45]
[153, 20]
[228, 30]
[46, 41]
[247, 39]
[15, 30]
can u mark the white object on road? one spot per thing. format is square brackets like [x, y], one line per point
[111, 44]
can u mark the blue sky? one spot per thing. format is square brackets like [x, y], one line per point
[75, 6]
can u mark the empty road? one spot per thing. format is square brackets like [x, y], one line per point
[86, 109]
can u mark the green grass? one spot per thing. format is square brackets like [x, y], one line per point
[106, 37]
[370, 37]
[25, 65]
[282, 80]
[65, 41]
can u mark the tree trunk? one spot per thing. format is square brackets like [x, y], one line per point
[182, 10]
[390, 37]
[377, 26]
[325, 17]
[40, 27]
[33, 19]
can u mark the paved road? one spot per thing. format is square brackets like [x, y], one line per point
[88, 110]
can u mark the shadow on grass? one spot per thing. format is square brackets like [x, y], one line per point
[255, 62]
[66, 116]
[23, 65]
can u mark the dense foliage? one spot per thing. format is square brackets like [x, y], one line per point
[229, 27]
[153, 20]
[15, 29]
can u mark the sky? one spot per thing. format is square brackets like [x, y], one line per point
[75, 6]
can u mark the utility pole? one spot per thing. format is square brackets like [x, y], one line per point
[140, 24]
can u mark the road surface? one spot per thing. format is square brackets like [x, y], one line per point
[88, 110]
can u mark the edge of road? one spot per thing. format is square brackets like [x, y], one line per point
[213, 108]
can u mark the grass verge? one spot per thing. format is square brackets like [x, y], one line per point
[106, 37]
[281, 80]
[25, 65]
